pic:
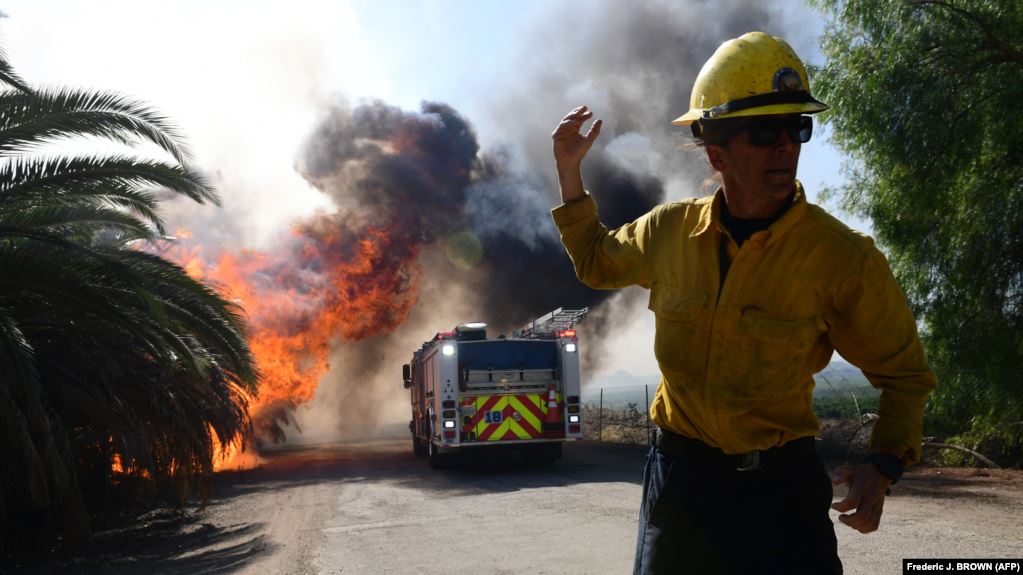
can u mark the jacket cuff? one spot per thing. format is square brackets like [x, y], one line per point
[576, 211]
[898, 436]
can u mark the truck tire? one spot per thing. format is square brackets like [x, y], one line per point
[417, 446]
[437, 461]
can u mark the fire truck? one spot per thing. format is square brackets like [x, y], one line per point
[520, 392]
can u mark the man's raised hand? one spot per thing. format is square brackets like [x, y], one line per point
[569, 145]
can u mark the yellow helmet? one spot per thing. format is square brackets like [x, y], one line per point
[753, 75]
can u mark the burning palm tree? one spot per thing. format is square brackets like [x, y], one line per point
[115, 364]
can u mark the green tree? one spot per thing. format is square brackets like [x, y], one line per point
[108, 352]
[925, 101]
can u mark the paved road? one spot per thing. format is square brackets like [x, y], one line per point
[373, 508]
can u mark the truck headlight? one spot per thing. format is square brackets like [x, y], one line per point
[448, 349]
[570, 347]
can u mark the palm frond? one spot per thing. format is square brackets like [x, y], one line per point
[93, 284]
[28, 120]
[41, 175]
[18, 356]
[9, 77]
[18, 434]
[121, 195]
[70, 221]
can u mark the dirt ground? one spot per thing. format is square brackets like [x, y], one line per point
[375, 508]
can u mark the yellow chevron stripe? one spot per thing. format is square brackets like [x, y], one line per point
[484, 426]
[518, 431]
[527, 413]
[497, 431]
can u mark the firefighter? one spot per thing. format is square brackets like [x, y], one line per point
[753, 288]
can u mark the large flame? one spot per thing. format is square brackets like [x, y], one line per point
[325, 286]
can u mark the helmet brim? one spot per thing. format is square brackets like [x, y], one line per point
[801, 108]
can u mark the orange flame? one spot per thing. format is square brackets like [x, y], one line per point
[324, 289]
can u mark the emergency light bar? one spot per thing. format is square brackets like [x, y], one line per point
[566, 333]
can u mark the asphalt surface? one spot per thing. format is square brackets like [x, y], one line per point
[374, 508]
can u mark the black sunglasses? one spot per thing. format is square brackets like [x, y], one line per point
[767, 131]
[763, 131]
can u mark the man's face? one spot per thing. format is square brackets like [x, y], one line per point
[757, 175]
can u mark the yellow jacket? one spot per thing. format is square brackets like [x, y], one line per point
[737, 360]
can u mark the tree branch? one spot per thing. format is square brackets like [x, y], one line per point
[978, 456]
[1010, 53]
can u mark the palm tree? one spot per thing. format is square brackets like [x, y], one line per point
[108, 352]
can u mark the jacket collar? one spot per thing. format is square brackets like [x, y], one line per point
[710, 215]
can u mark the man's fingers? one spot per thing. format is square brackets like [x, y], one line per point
[862, 521]
[854, 520]
[854, 498]
[847, 504]
[866, 497]
[570, 125]
[569, 128]
[570, 146]
[577, 116]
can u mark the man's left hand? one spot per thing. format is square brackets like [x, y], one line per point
[867, 488]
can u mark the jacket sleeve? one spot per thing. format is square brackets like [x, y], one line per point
[873, 327]
[604, 259]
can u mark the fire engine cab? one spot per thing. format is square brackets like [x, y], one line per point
[520, 392]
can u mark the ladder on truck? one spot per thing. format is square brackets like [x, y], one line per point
[551, 324]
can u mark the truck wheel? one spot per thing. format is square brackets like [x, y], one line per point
[437, 461]
[417, 446]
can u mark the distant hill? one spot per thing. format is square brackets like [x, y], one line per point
[622, 378]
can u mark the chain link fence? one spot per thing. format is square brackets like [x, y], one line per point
[843, 400]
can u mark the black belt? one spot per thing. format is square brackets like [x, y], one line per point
[674, 444]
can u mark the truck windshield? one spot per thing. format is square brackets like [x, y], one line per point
[508, 354]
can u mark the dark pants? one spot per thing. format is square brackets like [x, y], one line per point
[703, 518]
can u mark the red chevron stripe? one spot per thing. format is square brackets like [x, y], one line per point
[525, 425]
[527, 402]
[483, 409]
[506, 415]
[491, 428]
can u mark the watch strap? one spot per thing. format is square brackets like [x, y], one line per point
[887, 464]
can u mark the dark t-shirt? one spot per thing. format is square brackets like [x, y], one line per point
[741, 229]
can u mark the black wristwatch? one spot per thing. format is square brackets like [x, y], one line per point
[889, 465]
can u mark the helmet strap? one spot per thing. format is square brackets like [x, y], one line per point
[758, 101]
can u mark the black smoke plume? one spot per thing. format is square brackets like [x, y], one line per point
[421, 177]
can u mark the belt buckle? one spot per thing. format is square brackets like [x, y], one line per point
[750, 461]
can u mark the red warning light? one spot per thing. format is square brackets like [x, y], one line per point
[567, 333]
